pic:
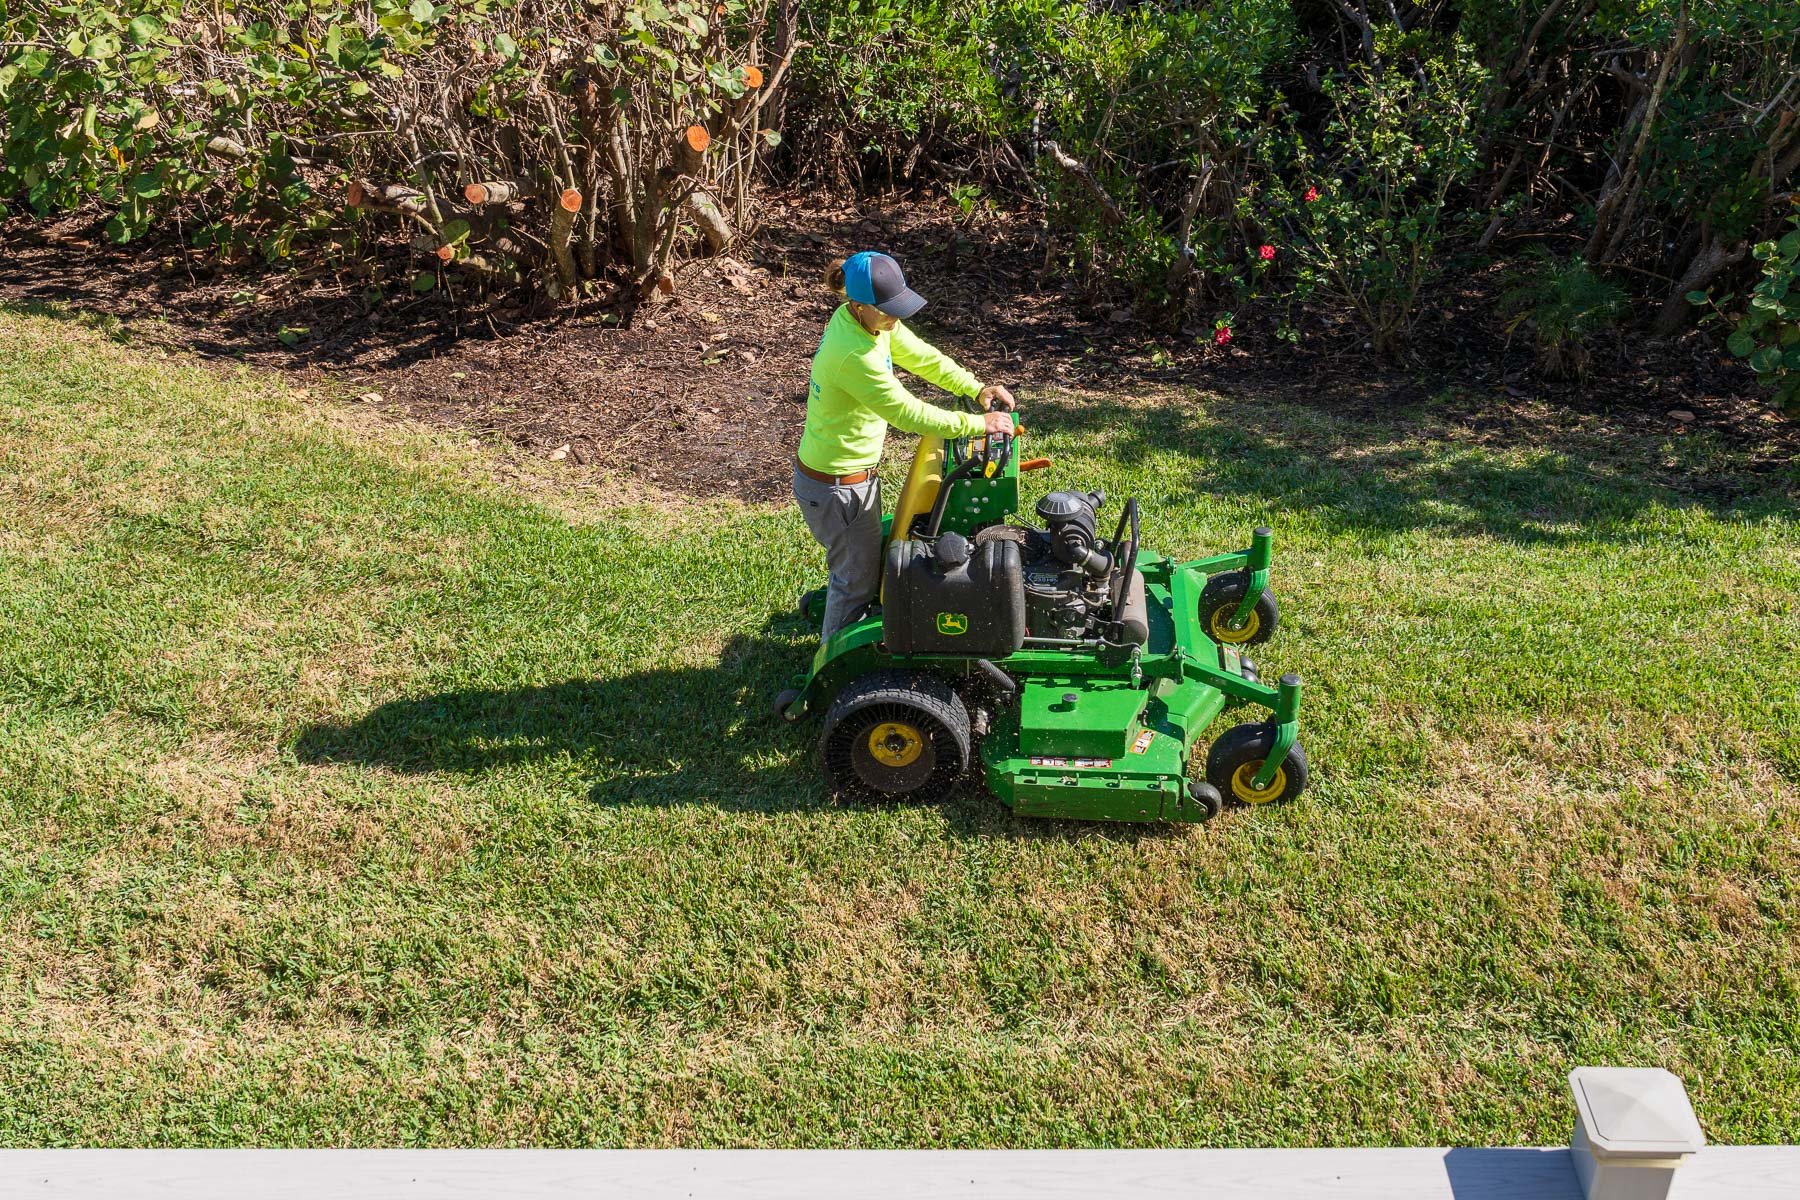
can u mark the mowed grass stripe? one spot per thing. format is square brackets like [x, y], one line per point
[353, 798]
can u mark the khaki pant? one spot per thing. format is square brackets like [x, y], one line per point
[846, 520]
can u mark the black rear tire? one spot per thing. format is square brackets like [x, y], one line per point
[1219, 601]
[895, 735]
[1239, 753]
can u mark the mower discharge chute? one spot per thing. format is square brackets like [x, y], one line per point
[1077, 672]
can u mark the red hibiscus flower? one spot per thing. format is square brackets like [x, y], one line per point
[1221, 335]
[1312, 193]
[1267, 252]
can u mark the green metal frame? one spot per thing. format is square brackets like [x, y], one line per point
[1189, 679]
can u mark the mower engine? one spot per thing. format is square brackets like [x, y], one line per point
[1069, 571]
[1066, 567]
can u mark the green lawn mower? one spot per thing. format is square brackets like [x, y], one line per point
[1076, 673]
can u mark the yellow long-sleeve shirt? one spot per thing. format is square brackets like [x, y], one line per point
[854, 396]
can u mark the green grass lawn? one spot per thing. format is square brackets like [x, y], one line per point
[349, 796]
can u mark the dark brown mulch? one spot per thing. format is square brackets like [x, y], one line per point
[704, 393]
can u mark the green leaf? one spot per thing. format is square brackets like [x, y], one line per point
[423, 282]
[117, 230]
[1696, 297]
[422, 11]
[454, 232]
[358, 88]
[144, 28]
[102, 47]
[506, 47]
[1740, 343]
[1765, 360]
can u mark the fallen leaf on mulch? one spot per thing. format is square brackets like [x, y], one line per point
[1682, 415]
[560, 453]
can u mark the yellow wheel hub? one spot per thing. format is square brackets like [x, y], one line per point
[895, 744]
[1243, 783]
[1220, 625]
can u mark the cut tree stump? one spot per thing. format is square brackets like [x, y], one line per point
[562, 226]
[496, 191]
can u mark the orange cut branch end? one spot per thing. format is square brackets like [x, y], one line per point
[753, 77]
[698, 139]
[446, 253]
[475, 194]
[571, 200]
[353, 195]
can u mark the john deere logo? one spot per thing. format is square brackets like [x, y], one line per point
[952, 624]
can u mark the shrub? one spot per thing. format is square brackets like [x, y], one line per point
[1364, 200]
[1767, 332]
[884, 86]
[521, 139]
[1141, 123]
[1566, 303]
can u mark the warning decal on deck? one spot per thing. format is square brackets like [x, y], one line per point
[1071, 762]
[1143, 741]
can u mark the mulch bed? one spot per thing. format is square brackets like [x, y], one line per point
[704, 393]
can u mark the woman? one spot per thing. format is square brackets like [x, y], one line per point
[853, 399]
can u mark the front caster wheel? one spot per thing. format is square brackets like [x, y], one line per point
[1206, 798]
[812, 605]
[1236, 757]
[1219, 602]
[896, 735]
[783, 698]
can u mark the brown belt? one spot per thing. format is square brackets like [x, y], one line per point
[835, 480]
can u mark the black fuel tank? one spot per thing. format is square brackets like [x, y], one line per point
[956, 599]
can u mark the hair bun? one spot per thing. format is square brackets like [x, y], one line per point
[834, 277]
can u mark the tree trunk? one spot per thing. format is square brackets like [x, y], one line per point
[1074, 166]
[1707, 265]
[1602, 238]
[787, 27]
[562, 224]
[714, 225]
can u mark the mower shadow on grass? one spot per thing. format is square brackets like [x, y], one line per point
[681, 734]
[671, 736]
